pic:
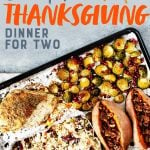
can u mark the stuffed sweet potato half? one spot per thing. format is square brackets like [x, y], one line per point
[111, 125]
[138, 108]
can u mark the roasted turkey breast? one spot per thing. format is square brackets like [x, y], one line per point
[24, 108]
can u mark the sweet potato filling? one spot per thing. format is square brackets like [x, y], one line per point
[17, 146]
[142, 111]
[109, 131]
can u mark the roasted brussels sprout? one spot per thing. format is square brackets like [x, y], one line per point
[142, 71]
[143, 83]
[109, 64]
[73, 64]
[85, 72]
[127, 75]
[101, 70]
[84, 82]
[135, 54]
[84, 96]
[119, 44]
[53, 88]
[97, 54]
[107, 88]
[126, 61]
[65, 85]
[73, 77]
[113, 92]
[86, 106]
[97, 81]
[130, 47]
[123, 84]
[118, 68]
[88, 61]
[119, 55]
[63, 74]
[67, 96]
[108, 51]
[74, 89]
[76, 105]
[110, 77]
[119, 98]
[95, 92]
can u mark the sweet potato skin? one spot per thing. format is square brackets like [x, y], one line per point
[121, 119]
[138, 139]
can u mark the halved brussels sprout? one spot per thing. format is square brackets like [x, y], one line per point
[53, 88]
[123, 84]
[119, 55]
[119, 98]
[85, 72]
[97, 81]
[108, 51]
[95, 92]
[67, 96]
[84, 82]
[86, 106]
[109, 64]
[130, 47]
[118, 68]
[63, 74]
[97, 54]
[113, 92]
[142, 71]
[119, 44]
[84, 96]
[76, 105]
[135, 54]
[107, 88]
[110, 77]
[88, 61]
[73, 77]
[127, 75]
[73, 64]
[65, 85]
[101, 70]
[143, 83]
[74, 89]
[126, 61]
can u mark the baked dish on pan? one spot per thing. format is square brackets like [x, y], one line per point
[96, 100]
[74, 133]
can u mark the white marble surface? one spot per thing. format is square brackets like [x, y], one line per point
[71, 37]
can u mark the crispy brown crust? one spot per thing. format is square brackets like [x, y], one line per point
[122, 121]
[18, 106]
[137, 137]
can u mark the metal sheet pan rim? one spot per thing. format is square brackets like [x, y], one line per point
[78, 52]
